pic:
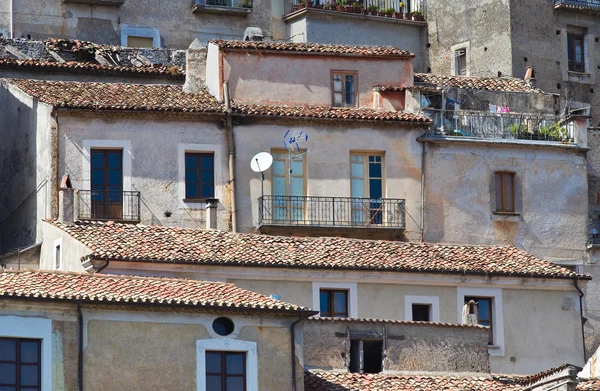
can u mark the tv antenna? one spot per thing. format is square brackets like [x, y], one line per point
[291, 142]
[260, 163]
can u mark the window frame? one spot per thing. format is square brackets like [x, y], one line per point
[366, 177]
[497, 349]
[199, 170]
[223, 374]
[433, 301]
[141, 32]
[331, 302]
[466, 46]
[218, 151]
[343, 73]
[458, 59]
[17, 362]
[490, 311]
[572, 66]
[57, 264]
[351, 287]
[502, 208]
[287, 163]
[227, 345]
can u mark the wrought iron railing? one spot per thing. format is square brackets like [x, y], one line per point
[590, 4]
[331, 211]
[408, 9]
[225, 3]
[594, 232]
[540, 127]
[108, 205]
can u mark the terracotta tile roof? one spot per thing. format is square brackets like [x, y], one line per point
[510, 84]
[333, 381]
[357, 50]
[130, 242]
[337, 113]
[588, 385]
[388, 88]
[388, 321]
[118, 96]
[107, 289]
[168, 72]
[530, 379]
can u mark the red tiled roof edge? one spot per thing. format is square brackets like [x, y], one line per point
[390, 321]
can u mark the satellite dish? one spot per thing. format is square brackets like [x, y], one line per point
[261, 162]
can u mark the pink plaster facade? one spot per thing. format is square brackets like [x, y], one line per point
[288, 78]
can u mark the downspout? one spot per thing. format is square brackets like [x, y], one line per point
[231, 153]
[10, 18]
[54, 177]
[582, 319]
[423, 189]
[293, 341]
[80, 348]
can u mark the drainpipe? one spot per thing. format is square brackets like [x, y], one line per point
[80, 349]
[582, 320]
[10, 18]
[231, 152]
[423, 189]
[293, 341]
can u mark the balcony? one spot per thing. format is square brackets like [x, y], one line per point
[121, 206]
[478, 124]
[230, 7]
[114, 3]
[590, 5]
[341, 212]
[413, 10]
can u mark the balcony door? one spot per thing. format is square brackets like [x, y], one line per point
[107, 184]
[289, 177]
[367, 188]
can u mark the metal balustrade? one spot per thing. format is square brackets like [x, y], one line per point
[225, 3]
[589, 4]
[414, 9]
[108, 205]
[331, 211]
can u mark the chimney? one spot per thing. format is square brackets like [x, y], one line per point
[530, 76]
[66, 204]
[211, 213]
[195, 65]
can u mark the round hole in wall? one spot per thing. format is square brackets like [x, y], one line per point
[525, 59]
[223, 326]
[485, 49]
[557, 32]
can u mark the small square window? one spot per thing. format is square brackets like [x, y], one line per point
[199, 176]
[505, 191]
[333, 303]
[460, 62]
[366, 356]
[20, 364]
[343, 89]
[57, 255]
[225, 371]
[140, 42]
[421, 312]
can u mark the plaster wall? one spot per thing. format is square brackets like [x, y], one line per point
[482, 25]
[306, 79]
[155, 145]
[26, 194]
[332, 27]
[328, 164]
[177, 25]
[550, 194]
[408, 347]
[72, 250]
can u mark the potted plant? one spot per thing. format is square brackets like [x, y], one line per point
[339, 5]
[348, 6]
[372, 9]
[418, 16]
[246, 3]
[330, 6]
[400, 14]
[357, 7]
[318, 6]
[389, 12]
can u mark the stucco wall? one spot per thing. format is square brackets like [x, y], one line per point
[72, 250]
[178, 26]
[155, 145]
[408, 347]
[306, 79]
[550, 192]
[331, 27]
[328, 164]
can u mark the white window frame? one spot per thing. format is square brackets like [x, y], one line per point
[466, 46]
[215, 149]
[137, 31]
[351, 287]
[433, 301]
[57, 243]
[497, 349]
[124, 145]
[227, 345]
[33, 328]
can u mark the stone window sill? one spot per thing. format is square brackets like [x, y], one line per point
[216, 9]
[494, 347]
[507, 216]
[115, 3]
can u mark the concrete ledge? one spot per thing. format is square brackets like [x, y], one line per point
[114, 3]
[373, 18]
[509, 217]
[215, 9]
[503, 142]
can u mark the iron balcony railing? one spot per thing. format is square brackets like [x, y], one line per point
[225, 3]
[594, 232]
[108, 205]
[540, 127]
[331, 211]
[410, 9]
[589, 4]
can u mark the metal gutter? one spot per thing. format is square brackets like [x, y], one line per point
[582, 318]
[79, 348]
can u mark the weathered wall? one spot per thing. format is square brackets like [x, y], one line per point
[328, 164]
[292, 79]
[485, 25]
[459, 194]
[72, 250]
[154, 162]
[321, 26]
[25, 158]
[177, 24]
[408, 347]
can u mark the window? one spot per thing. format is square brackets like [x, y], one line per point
[225, 371]
[460, 62]
[367, 187]
[484, 313]
[343, 88]
[333, 303]
[20, 364]
[421, 312]
[139, 42]
[576, 52]
[140, 36]
[366, 356]
[107, 183]
[505, 191]
[199, 176]
[57, 256]
[289, 177]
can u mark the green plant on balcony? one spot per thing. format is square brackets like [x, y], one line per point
[389, 12]
[416, 15]
[357, 7]
[246, 3]
[372, 9]
[558, 132]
